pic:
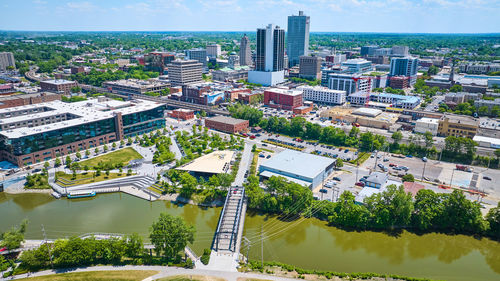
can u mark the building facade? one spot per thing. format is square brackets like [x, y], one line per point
[184, 72]
[350, 83]
[458, 126]
[6, 60]
[213, 50]
[135, 86]
[357, 65]
[405, 66]
[323, 95]
[227, 124]
[157, 61]
[282, 98]
[27, 99]
[58, 86]
[45, 131]
[269, 61]
[245, 51]
[199, 55]
[298, 38]
[310, 67]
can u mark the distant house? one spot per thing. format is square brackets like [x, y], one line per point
[412, 187]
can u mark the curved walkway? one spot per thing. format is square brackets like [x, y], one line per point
[163, 272]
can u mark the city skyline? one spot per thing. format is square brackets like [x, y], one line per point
[387, 16]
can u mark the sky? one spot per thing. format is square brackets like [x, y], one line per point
[402, 16]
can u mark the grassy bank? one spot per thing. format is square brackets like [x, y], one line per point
[119, 157]
[113, 275]
[85, 178]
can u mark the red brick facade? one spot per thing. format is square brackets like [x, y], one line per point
[228, 127]
[280, 100]
[181, 114]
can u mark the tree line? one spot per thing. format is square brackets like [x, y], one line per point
[389, 210]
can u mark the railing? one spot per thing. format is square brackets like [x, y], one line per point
[235, 224]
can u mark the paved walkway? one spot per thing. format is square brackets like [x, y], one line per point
[163, 272]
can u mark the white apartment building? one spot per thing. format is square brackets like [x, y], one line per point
[214, 50]
[323, 95]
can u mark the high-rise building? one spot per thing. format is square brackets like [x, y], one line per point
[245, 52]
[213, 50]
[310, 67]
[298, 38]
[157, 61]
[269, 61]
[368, 50]
[350, 83]
[400, 51]
[357, 65]
[199, 55]
[6, 60]
[406, 66]
[184, 72]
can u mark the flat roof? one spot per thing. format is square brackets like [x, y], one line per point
[372, 112]
[91, 110]
[226, 120]
[298, 163]
[216, 162]
[492, 141]
[285, 91]
[58, 81]
[428, 120]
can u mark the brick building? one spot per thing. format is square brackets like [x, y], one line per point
[19, 100]
[283, 98]
[181, 113]
[227, 124]
[58, 86]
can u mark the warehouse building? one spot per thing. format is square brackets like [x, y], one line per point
[302, 168]
[227, 124]
[34, 133]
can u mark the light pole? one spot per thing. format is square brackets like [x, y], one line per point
[451, 180]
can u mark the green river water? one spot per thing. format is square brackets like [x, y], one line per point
[307, 243]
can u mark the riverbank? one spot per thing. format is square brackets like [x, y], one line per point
[308, 243]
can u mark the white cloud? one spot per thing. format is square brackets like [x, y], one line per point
[39, 2]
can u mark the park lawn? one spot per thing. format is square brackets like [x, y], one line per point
[115, 275]
[87, 178]
[191, 277]
[122, 156]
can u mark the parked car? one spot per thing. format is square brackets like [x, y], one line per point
[268, 156]
[487, 178]
[360, 183]
[347, 150]
[323, 190]
[392, 165]
[336, 178]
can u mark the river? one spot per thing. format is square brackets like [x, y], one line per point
[307, 243]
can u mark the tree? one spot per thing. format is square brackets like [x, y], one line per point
[68, 161]
[397, 137]
[456, 88]
[348, 213]
[87, 153]
[76, 89]
[493, 218]
[428, 139]
[497, 153]
[122, 143]
[170, 235]
[105, 148]
[254, 148]
[96, 150]
[113, 145]
[78, 155]
[46, 165]
[460, 214]
[129, 141]
[339, 163]
[107, 173]
[57, 162]
[391, 208]
[12, 239]
[408, 177]
[135, 246]
[427, 209]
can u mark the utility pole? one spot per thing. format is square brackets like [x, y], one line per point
[248, 245]
[48, 248]
[452, 173]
